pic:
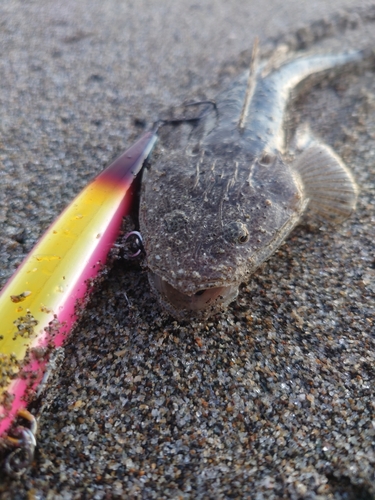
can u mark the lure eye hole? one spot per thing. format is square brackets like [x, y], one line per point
[236, 233]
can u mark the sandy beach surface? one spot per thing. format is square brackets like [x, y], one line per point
[273, 398]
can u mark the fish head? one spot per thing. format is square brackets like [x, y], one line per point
[210, 220]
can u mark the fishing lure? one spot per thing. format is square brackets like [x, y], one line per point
[41, 302]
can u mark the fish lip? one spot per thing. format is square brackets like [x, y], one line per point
[205, 300]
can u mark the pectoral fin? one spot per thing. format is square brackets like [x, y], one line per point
[327, 182]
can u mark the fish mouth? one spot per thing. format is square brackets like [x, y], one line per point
[204, 301]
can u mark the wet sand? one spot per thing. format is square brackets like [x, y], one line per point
[275, 397]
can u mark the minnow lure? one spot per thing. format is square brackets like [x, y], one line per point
[40, 303]
[215, 208]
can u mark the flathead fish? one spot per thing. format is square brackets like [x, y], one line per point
[218, 205]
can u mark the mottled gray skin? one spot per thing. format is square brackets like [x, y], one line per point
[221, 201]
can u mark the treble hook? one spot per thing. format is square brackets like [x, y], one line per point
[15, 464]
[138, 242]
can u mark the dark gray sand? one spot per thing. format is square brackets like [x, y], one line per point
[275, 397]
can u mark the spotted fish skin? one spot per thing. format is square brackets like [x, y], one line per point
[218, 201]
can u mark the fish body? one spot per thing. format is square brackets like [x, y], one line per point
[222, 200]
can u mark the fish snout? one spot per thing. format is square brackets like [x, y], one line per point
[180, 304]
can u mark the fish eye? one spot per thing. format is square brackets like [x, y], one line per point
[266, 159]
[175, 221]
[236, 232]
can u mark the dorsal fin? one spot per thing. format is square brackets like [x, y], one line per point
[250, 86]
